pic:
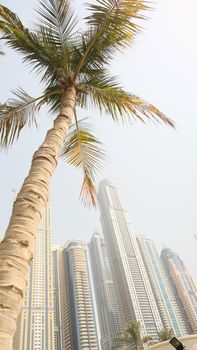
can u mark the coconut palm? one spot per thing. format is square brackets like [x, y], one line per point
[165, 334]
[73, 68]
[131, 336]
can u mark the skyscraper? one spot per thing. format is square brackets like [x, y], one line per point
[56, 252]
[35, 328]
[78, 322]
[183, 287]
[107, 305]
[159, 284]
[134, 293]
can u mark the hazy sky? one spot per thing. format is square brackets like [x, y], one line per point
[154, 167]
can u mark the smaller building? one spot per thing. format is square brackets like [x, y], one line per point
[159, 284]
[107, 305]
[183, 286]
[35, 325]
[56, 251]
[78, 321]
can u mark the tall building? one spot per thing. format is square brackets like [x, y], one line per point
[107, 305]
[56, 252]
[78, 321]
[159, 283]
[183, 287]
[134, 293]
[35, 328]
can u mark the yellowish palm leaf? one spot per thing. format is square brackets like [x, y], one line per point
[83, 150]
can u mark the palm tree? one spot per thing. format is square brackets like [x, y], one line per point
[131, 336]
[165, 334]
[73, 68]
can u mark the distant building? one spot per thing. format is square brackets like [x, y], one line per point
[107, 305]
[183, 287]
[56, 252]
[78, 321]
[35, 326]
[159, 284]
[135, 297]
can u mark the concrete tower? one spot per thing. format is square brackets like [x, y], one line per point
[134, 293]
[183, 288]
[107, 305]
[35, 328]
[56, 252]
[79, 329]
[159, 283]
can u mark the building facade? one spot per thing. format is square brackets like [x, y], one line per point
[159, 283]
[35, 327]
[134, 293]
[56, 252]
[78, 321]
[183, 288]
[107, 305]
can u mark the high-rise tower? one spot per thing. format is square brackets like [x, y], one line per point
[135, 297]
[78, 321]
[35, 328]
[183, 287]
[56, 252]
[159, 283]
[107, 305]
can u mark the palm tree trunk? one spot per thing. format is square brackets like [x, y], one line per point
[16, 249]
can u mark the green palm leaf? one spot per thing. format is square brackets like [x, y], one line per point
[58, 18]
[165, 334]
[105, 93]
[147, 339]
[84, 151]
[37, 49]
[116, 18]
[15, 115]
[131, 335]
[111, 27]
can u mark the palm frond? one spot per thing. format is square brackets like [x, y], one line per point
[36, 48]
[15, 115]
[146, 339]
[116, 18]
[83, 150]
[112, 26]
[104, 92]
[165, 334]
[58, 17]
[131, 334]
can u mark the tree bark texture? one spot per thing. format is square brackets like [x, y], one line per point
[17, 247]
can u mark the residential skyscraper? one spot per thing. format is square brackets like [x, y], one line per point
[56, 252]
[78, 321]
[159, 283]
[35, 328]
[107, 305]
[183, 287]
[134, 293]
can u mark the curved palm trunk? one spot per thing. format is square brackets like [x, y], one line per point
[16, 249]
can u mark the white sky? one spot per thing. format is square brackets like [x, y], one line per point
[155, 168]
